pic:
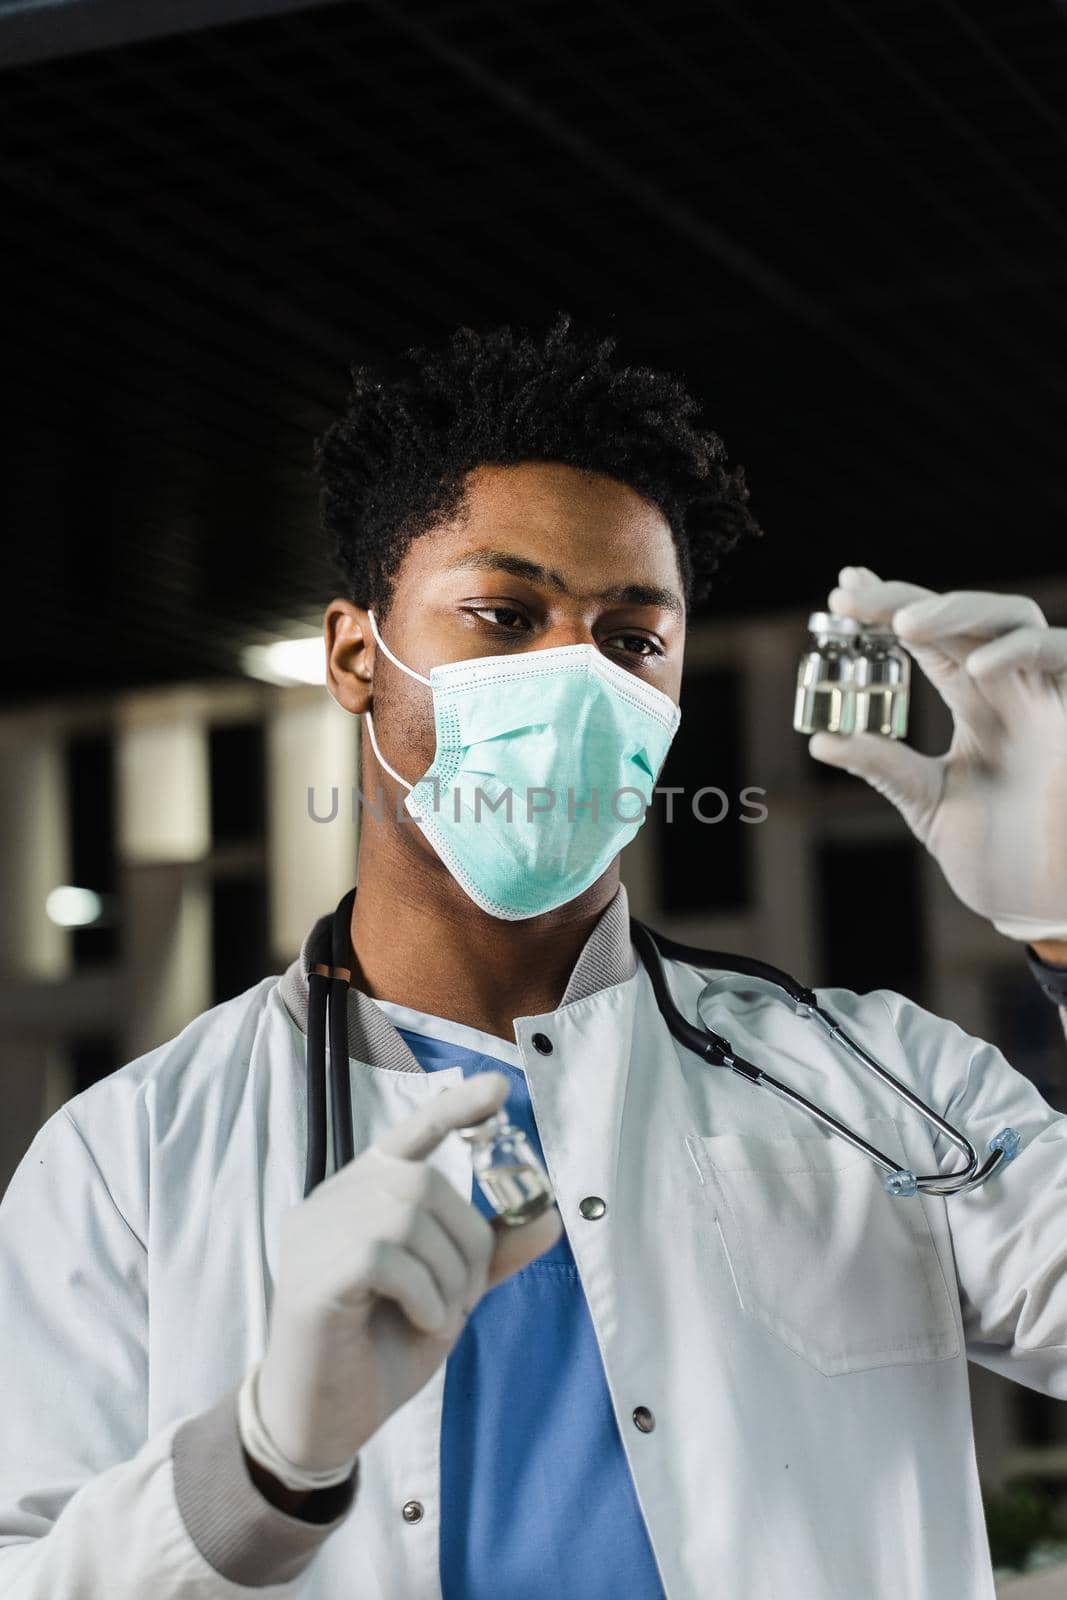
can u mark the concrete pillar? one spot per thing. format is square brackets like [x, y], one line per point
[163, 780]
[35, 854]
[164, 826]
[168, 952]
[311, 744]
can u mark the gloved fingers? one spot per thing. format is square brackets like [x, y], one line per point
[461, 1106]
[942, 634]
[468, 1229]
[516, 1247]
[951, 622]
[423, 1236]
[928, 625]
[1027, 649]
[397, 1274]
[862, 594]
[912, 781]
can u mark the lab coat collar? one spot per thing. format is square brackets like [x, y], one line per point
[607, 958]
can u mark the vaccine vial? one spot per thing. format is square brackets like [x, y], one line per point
[826, 690]
[507, 1169]
[883, 677]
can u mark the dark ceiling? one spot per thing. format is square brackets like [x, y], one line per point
[844, 222]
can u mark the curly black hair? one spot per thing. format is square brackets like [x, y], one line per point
[394, 463]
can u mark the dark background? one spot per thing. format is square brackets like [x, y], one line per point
[844, 222]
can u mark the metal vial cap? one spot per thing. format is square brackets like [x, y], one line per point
[839, 627]
[478, 1132]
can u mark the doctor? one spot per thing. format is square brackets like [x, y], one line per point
[727, 1363]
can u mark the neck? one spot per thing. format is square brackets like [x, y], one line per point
[420, 941]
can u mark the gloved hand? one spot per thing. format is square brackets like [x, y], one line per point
[992, 810]
[379, 1268]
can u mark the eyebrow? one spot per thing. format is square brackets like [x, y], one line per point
[637, 594]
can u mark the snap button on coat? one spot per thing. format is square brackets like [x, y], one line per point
[644, 1419]
[413, 1511]
[592, 1207]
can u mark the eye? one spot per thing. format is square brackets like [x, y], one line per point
[505, 617]
[634, 644]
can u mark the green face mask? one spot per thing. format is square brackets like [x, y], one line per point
[546, 762]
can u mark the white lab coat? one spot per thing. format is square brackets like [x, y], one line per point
[799, 1337]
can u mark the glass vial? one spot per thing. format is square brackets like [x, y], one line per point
[883, 677]
[826, 694]
[507, 1169]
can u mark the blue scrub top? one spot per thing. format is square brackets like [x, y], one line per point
[536, 1492]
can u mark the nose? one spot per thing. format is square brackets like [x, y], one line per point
[567, 630]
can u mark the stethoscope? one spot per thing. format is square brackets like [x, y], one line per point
[330, 967]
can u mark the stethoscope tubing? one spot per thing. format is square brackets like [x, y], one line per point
[330, 976]
[718, 1051]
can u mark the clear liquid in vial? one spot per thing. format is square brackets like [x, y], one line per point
[519, 1193]
[825, 708]
[883, 711]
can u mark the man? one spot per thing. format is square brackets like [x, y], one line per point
[726, 1362]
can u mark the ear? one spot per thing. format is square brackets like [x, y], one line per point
[349, 655]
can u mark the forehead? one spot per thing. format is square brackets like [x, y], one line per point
[591, 528]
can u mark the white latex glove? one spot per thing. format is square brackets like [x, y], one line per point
[992, 810]
[379, 1268]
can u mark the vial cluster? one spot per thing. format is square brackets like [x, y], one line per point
[507, 1169]
[853, 677]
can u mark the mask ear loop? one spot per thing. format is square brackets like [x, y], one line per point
[394, 659]
[370, 720]
[381, 759]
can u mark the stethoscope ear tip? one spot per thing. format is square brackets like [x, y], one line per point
[1008, 1141]
[900, 1183]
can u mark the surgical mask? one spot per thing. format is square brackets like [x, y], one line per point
[546, 762]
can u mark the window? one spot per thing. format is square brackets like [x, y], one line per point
[239, 918]
[871, 915]
[238, 780]
[92, 1057]
[91, 833]
[705, 865]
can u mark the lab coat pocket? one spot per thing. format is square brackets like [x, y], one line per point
[843, 1273]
